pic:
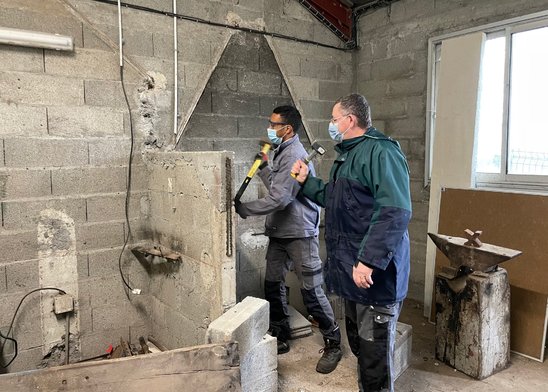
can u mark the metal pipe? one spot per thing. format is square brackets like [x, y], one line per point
[120, 33]
[155, 342]
[175, 71]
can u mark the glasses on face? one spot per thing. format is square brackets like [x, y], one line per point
[334, 120]
[273, 123]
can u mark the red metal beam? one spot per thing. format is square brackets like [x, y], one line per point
[338, 14]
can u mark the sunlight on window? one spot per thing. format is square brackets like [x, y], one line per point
[528, 124]
[491, 103]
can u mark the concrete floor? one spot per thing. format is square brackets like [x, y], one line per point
[425, 374]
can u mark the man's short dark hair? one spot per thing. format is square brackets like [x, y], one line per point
[357, 105]
[290, 115]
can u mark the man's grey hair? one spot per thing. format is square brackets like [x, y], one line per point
[357, 105]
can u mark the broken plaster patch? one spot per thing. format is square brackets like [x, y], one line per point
[57, 267]
[234, 19]
[55, 231]
[153, 97]
[254, 241]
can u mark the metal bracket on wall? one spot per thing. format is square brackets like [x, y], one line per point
[156, 254]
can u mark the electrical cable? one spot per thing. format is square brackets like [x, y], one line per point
[130, 160]
[6, 337]
[217, 24]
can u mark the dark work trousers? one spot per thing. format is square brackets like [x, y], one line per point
[371, 333]
[303, 255]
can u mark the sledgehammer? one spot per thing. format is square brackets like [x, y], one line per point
[316, 149]
[265, 146]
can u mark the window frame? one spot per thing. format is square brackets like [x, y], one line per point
[534, 183]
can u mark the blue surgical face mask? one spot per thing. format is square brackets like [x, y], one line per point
[273, 138]
[334, 133]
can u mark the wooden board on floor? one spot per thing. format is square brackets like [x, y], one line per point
[528, 320]
[512, 220]
[212, 367]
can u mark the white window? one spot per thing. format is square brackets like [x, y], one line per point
[512, 119]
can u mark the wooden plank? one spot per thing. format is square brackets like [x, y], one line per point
[528, 320]
[512, 220]
[213, 367]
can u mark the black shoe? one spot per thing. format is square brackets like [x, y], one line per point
[332, 354]
[283, 347]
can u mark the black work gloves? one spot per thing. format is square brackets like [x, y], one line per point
[237, 207]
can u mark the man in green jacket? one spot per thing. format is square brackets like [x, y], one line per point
[367, 210]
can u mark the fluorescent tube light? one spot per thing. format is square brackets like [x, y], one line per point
[35, 39]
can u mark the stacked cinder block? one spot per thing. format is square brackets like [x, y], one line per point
[247, 324]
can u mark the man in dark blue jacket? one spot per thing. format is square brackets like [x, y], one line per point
[367, 210]
[292, 227]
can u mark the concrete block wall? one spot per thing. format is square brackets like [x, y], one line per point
[65, 139]
[253, 75]
[392, 73]
[232, 114]
[188, 214]
[64, 133]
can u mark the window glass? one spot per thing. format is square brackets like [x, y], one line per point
[491, 106]
[528, 106]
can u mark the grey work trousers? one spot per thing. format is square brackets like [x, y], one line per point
[371, 331]
[303, 255]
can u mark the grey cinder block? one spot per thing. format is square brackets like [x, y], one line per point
[99, 235]
[25, 152]
[267, 103]
[21, 120]
[22, 59]
[85, 121]
[318, 69]
[25, 214]
[234, 104]
[259, 367]
[85, 63]
[252, 82]
[136, 42]
[42, 89]
[223, 79]
[393, 68]
[246, 323]
[331, 91]
[88, 180]
[17, 183]
[18, 245]
[214, 126]
[402, 351]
